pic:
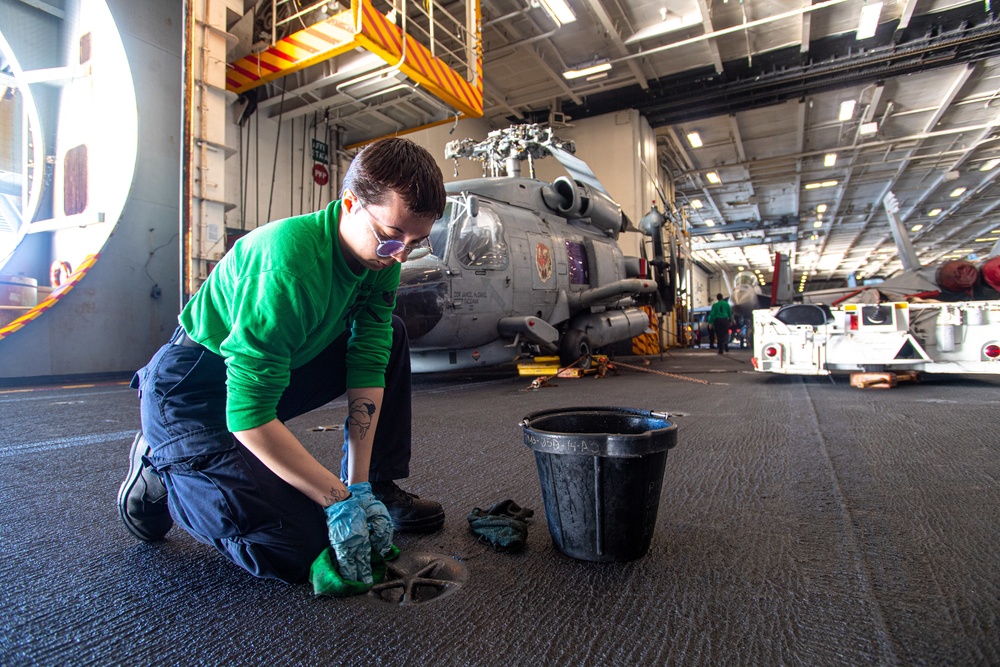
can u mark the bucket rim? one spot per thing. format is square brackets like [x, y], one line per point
[627, 445]
[637, 412]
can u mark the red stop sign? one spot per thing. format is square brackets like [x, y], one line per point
[320, 174]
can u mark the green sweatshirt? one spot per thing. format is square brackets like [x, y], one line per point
[721, 310]
[280, 297]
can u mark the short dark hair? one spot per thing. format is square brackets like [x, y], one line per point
[719, 297]
[401, 166]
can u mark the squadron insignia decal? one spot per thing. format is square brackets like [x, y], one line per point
[543, 261]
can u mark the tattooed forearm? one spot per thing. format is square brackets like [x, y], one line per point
[360, 415]
[335, 496]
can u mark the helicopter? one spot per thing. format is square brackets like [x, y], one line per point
[520, 266]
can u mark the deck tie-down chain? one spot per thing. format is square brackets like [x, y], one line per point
[676, 376]
[543, 381]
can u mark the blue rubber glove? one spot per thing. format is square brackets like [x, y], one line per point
[347, 527]
[379, 523]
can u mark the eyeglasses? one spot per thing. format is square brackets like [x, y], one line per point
[392, 247]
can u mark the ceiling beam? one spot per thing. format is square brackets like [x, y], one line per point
[746, 226]
[706, 22]
[960, 35]
[489, 90]
[737, 138]
[949, 97]
[904, 19]
[714, 34]
[619, 44]
[695, 175]
[46, 7]
[806, 35]
[744, 242]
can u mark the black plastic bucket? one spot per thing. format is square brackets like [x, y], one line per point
[601, 470]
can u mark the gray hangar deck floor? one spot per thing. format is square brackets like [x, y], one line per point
[801, 522]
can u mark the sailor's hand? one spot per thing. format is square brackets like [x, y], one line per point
[376, 515]
[347, 526]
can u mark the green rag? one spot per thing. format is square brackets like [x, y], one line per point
[326, 580]
[503, 533]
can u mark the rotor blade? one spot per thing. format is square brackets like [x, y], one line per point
[577, 168]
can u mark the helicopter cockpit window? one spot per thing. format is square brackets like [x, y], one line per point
[479, 241]
[439, 232]
[577, 254]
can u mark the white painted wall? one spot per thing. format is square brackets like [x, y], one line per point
[283, 163]
[701, 294]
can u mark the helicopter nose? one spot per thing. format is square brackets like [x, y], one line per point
[420, 299]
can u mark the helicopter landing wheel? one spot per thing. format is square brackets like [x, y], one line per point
[575, 347]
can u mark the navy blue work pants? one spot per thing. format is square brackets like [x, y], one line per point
[219, 491]
[721, 327]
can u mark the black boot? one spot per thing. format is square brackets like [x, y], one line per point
[142, 498]
[409, 513]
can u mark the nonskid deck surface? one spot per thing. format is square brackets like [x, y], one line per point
[801, 521]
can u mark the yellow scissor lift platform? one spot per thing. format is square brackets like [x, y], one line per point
[363, 26]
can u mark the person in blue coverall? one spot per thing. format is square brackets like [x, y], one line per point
[298, 313]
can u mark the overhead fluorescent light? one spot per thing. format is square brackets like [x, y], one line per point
[916, 228]
[868, 128]
[828, 184]
[597, 77]
[829, 159]
[694, 139]
[985, 240]
[818, 224]
[868, 21]
[847, 110]
[990, 165]
[558, 11]
[813, 186]
[710, 223]
[696, 203]
[934, 212]
[957, 192]
[713, 178]
[587, 70]
[821, 208]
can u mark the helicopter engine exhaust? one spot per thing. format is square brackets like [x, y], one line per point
[575, 200]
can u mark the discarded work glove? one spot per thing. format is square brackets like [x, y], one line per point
[326, 579]
[347, 527]
[377, 516]
[504, 526]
